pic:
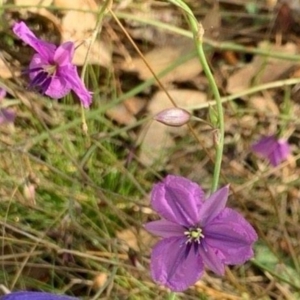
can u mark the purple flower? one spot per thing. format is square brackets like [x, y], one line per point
[274, 149]
[35, 296]
[6, 115]
[51, 69]
[196, 233]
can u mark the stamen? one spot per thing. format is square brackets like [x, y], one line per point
[194, 235]
[50, 69]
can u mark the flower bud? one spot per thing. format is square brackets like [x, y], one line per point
[173, 116]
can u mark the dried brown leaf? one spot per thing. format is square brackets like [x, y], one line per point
[41, 11]
[78, 26]
[78, 4]
[5, 71]
[135, 239]
[120, 114]
[212, 22]
[264, 105]
[262, 69]
[161, 58]
[33, 3]
[135, 104]
[153, 34]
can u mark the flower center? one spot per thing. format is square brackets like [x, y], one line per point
[43, 77]
[50, 69]
[194, 234]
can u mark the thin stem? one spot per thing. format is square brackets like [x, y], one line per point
[143, 58]
[209, 42]
[97, 29]
[198, 33]
[215, 90]
[250, 91]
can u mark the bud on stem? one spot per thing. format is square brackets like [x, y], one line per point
[175, 117]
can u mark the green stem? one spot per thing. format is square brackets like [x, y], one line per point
[198, 33]
[250, 91]
[223, 45]
[172, 296]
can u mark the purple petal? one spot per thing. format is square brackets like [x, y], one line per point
[39, 79]
[272, 149]
[178, 200]
[35, 296]
[173, 267]
[58, 88]
[213, 206]
[45, 85]
[164, 228]
[7, 116]
[46, 50]
[232, 235]
[64, 54]
[211, 259]
[280, 152]
[264, 146]
[76, 84]
[2, 93]
[37, 63]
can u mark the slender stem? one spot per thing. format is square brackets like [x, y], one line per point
[215, 90]
[97, 29]
[209, 42]
[143, 58]
[198, 33]
[250, 91]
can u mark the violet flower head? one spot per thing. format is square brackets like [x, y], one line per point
[273, 149]
[6, 115]
[51, 70]
[22, 295]
[196, 233]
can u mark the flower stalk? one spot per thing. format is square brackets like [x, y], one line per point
[198, 33]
